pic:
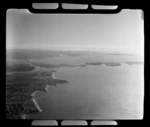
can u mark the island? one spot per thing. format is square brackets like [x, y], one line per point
[46, 65]
[133, 63]
[105, 63]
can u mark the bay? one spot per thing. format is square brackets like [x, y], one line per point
[93, 92]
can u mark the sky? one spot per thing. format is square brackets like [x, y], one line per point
[122, 32]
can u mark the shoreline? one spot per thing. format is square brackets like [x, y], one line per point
[53, 76]
[46, 88]
[23, 116]
[36, 105]
[34, 94]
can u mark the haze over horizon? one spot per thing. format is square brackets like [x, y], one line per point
[122, 32]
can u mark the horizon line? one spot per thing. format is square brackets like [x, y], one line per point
[58, 50]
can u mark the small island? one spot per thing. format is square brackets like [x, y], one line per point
[133, 63]
[105, 63]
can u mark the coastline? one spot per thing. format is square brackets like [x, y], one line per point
[33, 94]
[36, 105]
[53, 76]
[24, 116]
[31, 82]
[46, 88]
[55, 79]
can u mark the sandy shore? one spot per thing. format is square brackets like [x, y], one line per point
[36, 105]
[53, 76]
[33, 94]
[46, 88]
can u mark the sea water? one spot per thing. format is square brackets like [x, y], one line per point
[94, 92]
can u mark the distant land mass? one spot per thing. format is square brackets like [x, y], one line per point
[44, 65]
[35, 53]
[120, 54]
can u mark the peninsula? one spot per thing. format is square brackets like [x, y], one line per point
[19, 88]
